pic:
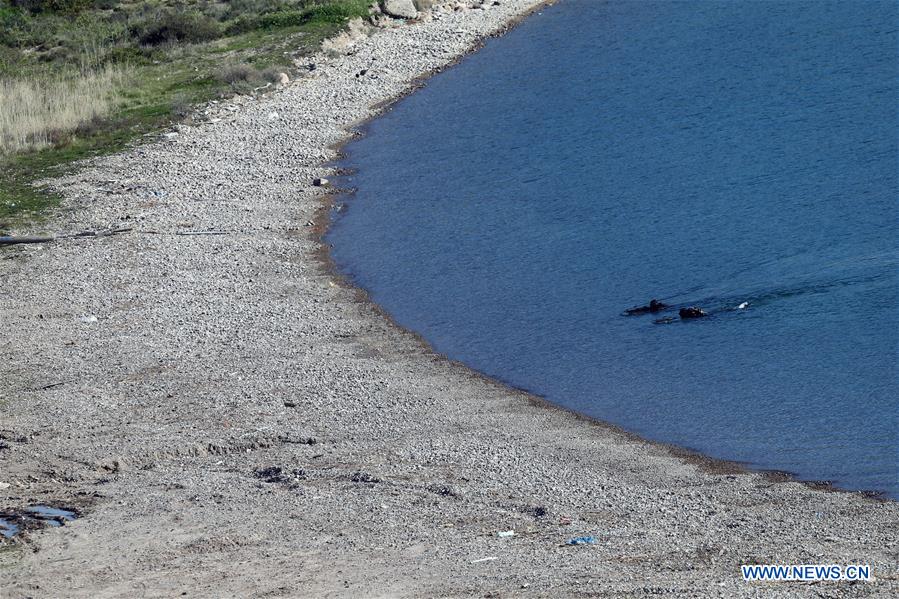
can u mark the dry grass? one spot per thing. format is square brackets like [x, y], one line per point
[36, 112]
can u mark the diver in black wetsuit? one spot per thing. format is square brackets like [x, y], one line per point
[691, 312]
[653, 307]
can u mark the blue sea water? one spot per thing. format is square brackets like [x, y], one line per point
[707, 153]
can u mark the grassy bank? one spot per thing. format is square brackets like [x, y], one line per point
[79, 78]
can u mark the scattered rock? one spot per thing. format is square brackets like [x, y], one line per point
[400, 9]
[297, 439]
[277, 474]
[113, 465]
[343, 42]
[538, 511]
[444, 490]
[270, 474]
[382, 21]
[364, 477]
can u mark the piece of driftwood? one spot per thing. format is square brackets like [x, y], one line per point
[105, 233]
[202, 232]
[11, 240]
[17, 239]
[50, 386]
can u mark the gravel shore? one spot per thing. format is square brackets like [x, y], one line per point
[229, 419]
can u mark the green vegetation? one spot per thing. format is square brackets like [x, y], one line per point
[79, 78]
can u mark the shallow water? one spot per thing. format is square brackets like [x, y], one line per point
[51, 515]
[8, 529]
[11, 523]
[710, 153]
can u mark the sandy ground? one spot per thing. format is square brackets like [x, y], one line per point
[229, 420]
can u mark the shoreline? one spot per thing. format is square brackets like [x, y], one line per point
[691, 456]
[324, 220]
[185, 436]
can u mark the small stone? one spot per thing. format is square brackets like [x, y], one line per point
[113, 465]
[444, 490]
[298, 439]
[271, 474]
[364, 477]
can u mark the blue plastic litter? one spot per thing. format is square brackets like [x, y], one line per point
[582, 541]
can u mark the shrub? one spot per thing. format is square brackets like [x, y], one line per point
[241, 8]
[127, 54]
[175, 26]
[273, 74]
[181, 106]
[236, 73]
[278, 20]
[241, 24]
[298, 14]
[337, 12]
[57, 6]
[12, 24]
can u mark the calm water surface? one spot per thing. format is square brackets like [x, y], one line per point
[708, 153]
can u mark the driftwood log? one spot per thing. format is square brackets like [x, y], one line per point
[8, 240]
[202, 232]
[13, 239]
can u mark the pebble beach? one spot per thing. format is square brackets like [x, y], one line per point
[227, 417]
